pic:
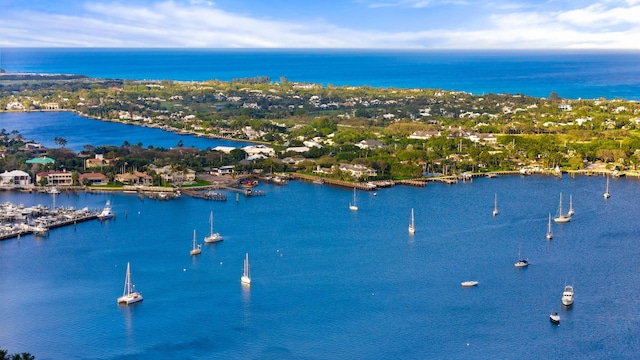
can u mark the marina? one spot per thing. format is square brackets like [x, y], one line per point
[19, 220]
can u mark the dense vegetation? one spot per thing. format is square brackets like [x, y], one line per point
[545, 132]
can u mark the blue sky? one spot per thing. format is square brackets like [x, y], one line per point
[385, 24]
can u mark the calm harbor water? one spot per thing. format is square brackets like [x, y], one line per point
[44, 127]
[330, 283]
[570, 73]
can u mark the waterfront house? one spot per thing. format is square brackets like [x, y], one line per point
[223, 170]
[92, 179]
[55, 178]
[358, 170]
[134, 178]
[172, 176]
[15, 178]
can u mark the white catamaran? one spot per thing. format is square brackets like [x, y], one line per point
[129, 295]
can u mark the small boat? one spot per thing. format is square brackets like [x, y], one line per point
[129, 295]
[53, 190]
[549, 233]
[412, 227]
[606, 192]
[567, 295]
[246, 277]
[554, 318]
[521, 262]
[353, 206]
[213, 237]
[495, 205]
[570, 212]
[561, 218]
[469, 283]
[106, 212]
[195, 248]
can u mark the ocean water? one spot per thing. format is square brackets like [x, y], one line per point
[570, 73]
[331, 283]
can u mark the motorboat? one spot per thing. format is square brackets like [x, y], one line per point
[554, 318]
[106, 212]
[469, 283]
[567, 295]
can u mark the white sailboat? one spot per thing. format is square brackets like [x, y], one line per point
[129, 294]
[246, 276]
[412, 227]
[195, 248]
[606, 192]
[549, 233]
[495, 205]
[353, 206]
[561, 218]
[521, 262]
[570, 212]
[213, 237]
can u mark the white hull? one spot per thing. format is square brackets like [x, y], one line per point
[555, 318]
[562, 219]
[412, 227]
[213, 238]
[245, 280]
[521, 264]
[246, 277]
[567, 295]
[353, 208]
[130, 299]
[412, 230]
[469, 283]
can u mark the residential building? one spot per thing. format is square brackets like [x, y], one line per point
[55, 178]
[134, 178]
[15, 178]
[92, 179]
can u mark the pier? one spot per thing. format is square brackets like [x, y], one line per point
[38, 220]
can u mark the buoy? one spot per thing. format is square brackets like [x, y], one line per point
[184, 269]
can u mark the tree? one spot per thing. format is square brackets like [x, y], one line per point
[60, 141]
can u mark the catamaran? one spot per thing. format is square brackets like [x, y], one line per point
[412, 227]
[353, 206]
[129, 295]
[195, 248]
[246, 276]
[561, 218]
[213, 237]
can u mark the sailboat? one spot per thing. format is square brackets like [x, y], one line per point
[353, 206]
[213, 237]
[129, 294]
[570, 212]
[412, 227]
[521, 262]
[246, 276]
[549, 234]
[195, 248]
[606, 192]
[561, 218]
[495, 205]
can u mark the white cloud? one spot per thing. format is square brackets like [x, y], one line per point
[200, 23]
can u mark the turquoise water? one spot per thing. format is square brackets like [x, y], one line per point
[331, 283]
[570, 73]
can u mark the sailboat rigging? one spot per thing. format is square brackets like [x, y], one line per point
[412, 227]
[561, 218]
[213, 237]
[495, 205]
[353, 206]
[129, 294]
[246, 276]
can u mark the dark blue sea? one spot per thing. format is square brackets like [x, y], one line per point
[570, 73]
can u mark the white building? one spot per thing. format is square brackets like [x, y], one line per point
[15, 178]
